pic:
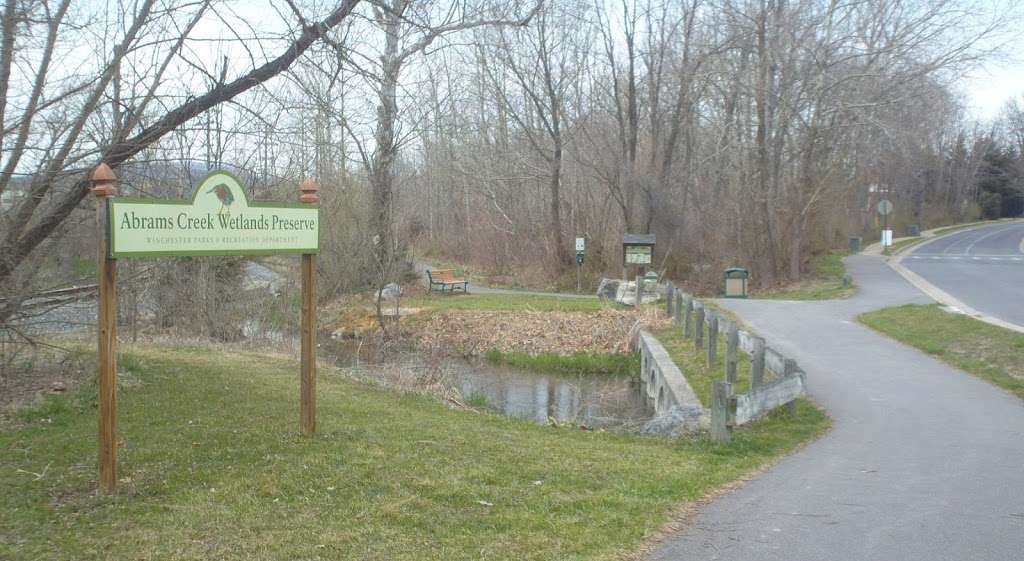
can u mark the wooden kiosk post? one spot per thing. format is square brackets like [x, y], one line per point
[638, 252]
[307, 384]
[103, 181]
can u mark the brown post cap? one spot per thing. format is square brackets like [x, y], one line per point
[104, 181]
[309, 191]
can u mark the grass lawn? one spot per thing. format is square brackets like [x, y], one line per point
[949, 229]
[212, 467]
[505, 302]
[900, 244]
[532, 278]
[825, 281]
[512, 279]
[583, 364]
[987, 351]
[463, 271]
[694, 363]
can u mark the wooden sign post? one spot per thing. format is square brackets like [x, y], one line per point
[103, 181]
[638, 252]
[307, 385]
[218, 220]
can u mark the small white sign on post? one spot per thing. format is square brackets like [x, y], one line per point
[579, 244]
[886, 238]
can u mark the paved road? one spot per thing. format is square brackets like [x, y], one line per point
[984, 268]
[924, 462]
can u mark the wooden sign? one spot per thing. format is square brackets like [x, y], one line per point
[219, 219]
[638, 249]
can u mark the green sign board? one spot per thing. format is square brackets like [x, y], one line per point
[219, 219]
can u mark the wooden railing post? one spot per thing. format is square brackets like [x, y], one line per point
[732, 345]
[307, 389]
[678, 315]
[790, 368]
[698, 330]
[670, 292]
[712, 339]
[643, 359]
[105, 185]
[757, 363]
[722, 411]
[688, 317]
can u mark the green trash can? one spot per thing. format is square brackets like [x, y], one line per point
[855, 243]
[736, 282]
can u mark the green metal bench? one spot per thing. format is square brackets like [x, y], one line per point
[445, 279]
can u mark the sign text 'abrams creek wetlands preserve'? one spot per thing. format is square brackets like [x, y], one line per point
[219, 219]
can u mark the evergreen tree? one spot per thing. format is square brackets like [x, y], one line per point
[1000, 183]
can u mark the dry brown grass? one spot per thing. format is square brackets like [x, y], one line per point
[473, 332]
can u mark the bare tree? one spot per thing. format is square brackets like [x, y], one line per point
[79, 120]
[409, 28]
[543, 63]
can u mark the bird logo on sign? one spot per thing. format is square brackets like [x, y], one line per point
[224, 196]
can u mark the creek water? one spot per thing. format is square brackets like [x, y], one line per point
[594, 401]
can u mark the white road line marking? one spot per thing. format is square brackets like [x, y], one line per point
[976, 255]
[967, 237]
[996, 231]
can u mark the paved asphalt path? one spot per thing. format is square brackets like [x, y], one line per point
[924, 461]
[983, 268]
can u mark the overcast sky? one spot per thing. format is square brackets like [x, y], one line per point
[989, 88]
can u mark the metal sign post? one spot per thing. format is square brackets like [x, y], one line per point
[885, 209]
[580, 250]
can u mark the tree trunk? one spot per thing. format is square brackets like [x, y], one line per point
[761, 140]
[796, 248]
[381, 172]
[555, 186]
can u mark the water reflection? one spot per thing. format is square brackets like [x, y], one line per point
[596, 401]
